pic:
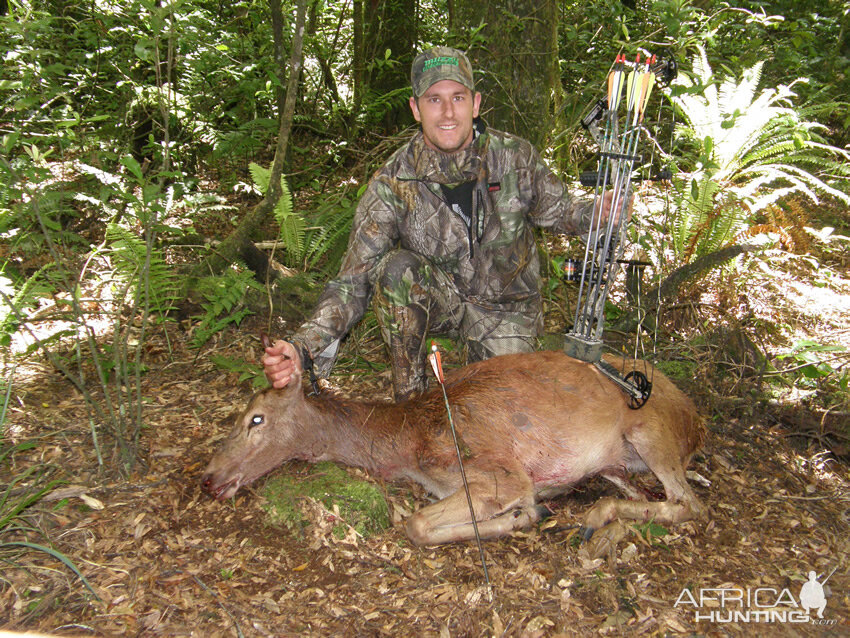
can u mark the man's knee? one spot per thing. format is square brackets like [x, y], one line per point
[493, 333]
[497, 346]
[401, 268]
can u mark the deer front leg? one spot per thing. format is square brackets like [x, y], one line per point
[681, 505]
[665, 512]
[501, 506]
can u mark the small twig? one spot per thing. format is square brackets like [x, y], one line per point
[220, 604]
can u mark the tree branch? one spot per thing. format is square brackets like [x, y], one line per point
[669, 288]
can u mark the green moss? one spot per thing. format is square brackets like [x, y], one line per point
[360, 503]
[678, 370]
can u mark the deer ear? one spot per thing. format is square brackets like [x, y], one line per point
[295, 379]
[291, 391]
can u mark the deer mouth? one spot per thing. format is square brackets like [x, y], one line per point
[222, 491]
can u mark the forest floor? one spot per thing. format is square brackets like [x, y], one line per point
[163, 558]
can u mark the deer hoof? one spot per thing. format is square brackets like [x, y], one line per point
[543, 511]
[586, 532]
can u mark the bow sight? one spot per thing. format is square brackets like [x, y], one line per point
[629, 87]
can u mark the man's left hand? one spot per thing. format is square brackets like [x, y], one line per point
[606, 206]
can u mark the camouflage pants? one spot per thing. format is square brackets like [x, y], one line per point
[413, 298]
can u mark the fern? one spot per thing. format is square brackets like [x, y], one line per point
[328, 236]
[291, 223]
[249, 138]
[129, 254]
[694, 215]
[224, 297]
[27, 296]
[755, 150]
[261, 177]
[379, 104]
[244, 369]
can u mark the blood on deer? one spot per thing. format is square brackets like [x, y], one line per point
[529, 427]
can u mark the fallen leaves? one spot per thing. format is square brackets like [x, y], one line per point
[165, 559]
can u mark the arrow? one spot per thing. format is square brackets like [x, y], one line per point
[437, 367]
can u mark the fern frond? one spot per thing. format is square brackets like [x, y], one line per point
[129, 254]
[34, 288]
[292, 226]
[261, 176]
[757, 147]
[785, 238]
[224, 295]
[329, 235]
[292, 236]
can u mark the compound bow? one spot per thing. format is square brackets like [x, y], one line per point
[605, 238]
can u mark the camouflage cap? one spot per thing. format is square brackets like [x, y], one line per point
[440, 63]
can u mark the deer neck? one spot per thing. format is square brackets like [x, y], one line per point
[377, 437]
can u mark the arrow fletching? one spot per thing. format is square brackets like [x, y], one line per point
[436, 362]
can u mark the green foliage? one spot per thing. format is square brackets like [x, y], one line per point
[361, 504]
[681, 371]
[25, 490]
[750, 150]
[327, 236]
[245, 370]
[84, 286]
[36, 483]
[15, 303]
[651, 531]
[223, 307]
[808, 39]
[130, 72]
[136, 264]
[379, 105]
[813, 361]
[55, 554]
[290, 222]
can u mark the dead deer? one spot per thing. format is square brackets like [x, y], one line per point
[529, 426]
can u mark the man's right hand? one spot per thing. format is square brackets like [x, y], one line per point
[282, 364]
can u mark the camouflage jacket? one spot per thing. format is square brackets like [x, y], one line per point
[403, 206]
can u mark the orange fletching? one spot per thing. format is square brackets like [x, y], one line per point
[436, 362]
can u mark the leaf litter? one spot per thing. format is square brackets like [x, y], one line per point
[163, 558]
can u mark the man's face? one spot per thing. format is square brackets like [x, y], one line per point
[446, 111]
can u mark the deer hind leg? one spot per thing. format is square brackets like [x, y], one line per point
[502, 501]
[661, 456]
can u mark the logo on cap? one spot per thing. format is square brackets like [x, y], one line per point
[440, 61]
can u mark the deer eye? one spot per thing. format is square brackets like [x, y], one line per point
[257, 419]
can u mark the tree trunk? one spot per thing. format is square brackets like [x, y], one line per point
[357, 73]
[324, 53]
[515, 56]
[238, 245]
[390, 25]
